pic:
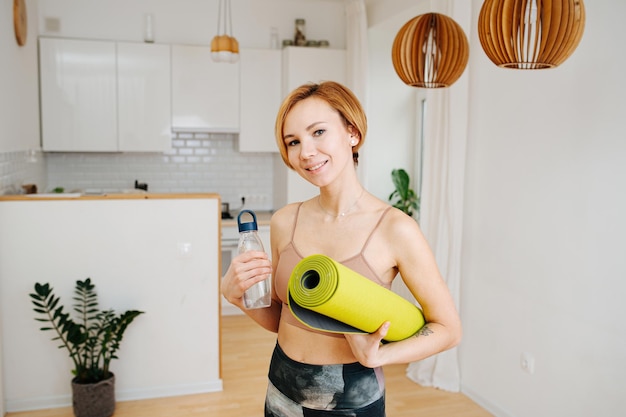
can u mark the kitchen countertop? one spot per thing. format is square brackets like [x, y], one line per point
[112, 196]
[263, 217]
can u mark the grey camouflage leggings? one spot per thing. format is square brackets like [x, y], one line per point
[301, 390]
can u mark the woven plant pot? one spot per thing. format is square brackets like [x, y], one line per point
[94, 400]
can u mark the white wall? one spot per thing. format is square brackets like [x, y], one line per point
[19, 108]
[543, 260]
[194, 21]
[391, 112]
[19, 82]
[391, 106]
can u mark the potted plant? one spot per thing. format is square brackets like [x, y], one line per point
[92, 342]
[405, 198]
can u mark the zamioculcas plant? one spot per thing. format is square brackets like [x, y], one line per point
[93, 339]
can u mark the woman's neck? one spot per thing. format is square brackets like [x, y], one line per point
[339, 204]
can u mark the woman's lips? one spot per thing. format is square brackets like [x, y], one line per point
[316, 167]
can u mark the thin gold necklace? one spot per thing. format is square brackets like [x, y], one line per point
[343, 213]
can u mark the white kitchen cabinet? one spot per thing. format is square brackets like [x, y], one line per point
[260, 93]
[303, 65]
[78, 95]
[144, 110]
[205, 94]
[100, 96]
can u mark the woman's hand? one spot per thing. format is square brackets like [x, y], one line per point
[245, 270]
[367, 347]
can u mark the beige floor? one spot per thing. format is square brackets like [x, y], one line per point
[246, 350]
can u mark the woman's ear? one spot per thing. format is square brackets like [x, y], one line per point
[355, 138]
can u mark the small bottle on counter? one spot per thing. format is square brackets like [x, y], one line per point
[300, 33]
[259, 295]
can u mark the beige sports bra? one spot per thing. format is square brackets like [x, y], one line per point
[290, 256]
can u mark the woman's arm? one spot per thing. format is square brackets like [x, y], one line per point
[245, 270]
[251, 267]
[417, 267]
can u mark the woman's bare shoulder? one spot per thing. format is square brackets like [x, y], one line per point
[400, 225]
[285, 215]
[281, 226]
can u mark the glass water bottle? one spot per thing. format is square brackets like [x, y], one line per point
[259, 295]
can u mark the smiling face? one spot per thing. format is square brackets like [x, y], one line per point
[338, 98]
[318, 141]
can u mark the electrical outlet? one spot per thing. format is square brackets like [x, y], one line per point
[184, 250]
[527, 363]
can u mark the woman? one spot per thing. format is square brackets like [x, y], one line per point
[319, 130]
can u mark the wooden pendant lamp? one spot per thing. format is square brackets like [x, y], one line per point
[530, 34]
[430, 51]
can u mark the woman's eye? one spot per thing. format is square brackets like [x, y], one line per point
[293, 142]
[319, 132]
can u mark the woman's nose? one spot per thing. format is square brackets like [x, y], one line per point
[307, 149]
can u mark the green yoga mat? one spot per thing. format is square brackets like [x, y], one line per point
[325, 295]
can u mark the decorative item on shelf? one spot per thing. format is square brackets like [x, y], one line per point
[300, 33]
[324, 44]
[287, 42]
[148, 28]
[224, 46]
[430, 51]
[20, 21]
[530, 34]
[31, 156]
[92, 342]
[29, 188]
[274, 38]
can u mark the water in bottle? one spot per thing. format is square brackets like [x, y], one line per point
[259, 295]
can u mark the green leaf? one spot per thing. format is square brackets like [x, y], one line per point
[403, 197]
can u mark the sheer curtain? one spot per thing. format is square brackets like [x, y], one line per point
[441, 221]
[441, 214]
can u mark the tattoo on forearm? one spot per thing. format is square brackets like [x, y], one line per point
[424, 331]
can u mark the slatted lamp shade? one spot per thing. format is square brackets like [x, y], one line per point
[530, 34]
[430, 51]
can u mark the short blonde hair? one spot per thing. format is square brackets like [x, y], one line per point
[338, 97]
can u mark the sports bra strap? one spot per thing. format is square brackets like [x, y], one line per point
[374, 229]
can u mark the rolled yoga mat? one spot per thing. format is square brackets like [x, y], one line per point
[325, 295]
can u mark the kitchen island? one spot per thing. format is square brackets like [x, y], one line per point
[158, 253]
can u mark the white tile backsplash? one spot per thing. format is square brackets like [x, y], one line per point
[197, 162]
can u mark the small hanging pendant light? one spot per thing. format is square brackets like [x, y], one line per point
[224, 46]
[530, 34]
[430, 51]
